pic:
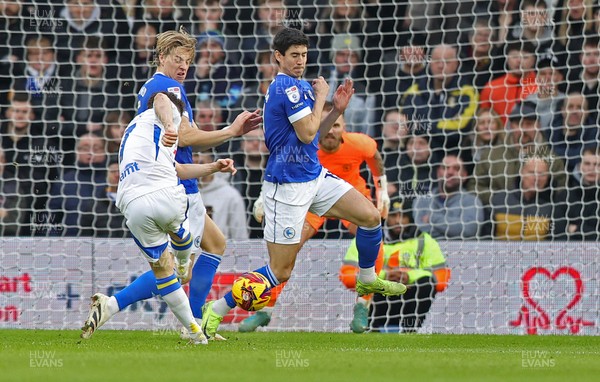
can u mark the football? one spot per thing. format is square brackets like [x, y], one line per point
[251, 291]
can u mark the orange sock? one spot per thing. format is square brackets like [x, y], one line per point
[275, 294]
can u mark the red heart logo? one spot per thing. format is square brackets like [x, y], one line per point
[542, 320]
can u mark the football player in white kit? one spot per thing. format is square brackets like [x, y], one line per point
[155, 205]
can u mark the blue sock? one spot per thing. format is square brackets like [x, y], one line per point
[167, 285]
[368, 241]
[203, 274]
[268, 273]
[142, 288]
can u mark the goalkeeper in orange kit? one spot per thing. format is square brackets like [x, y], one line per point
[342, 153]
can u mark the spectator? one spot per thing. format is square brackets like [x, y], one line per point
[417, 166]
[224, 204]
[136, 75]
[253, 96]
[248, 180]
[394, 132]
[547, 97]
[530, 210]
[75, 195]
[414, 258]
[209, 115]
[88, 96]
[208, 16]
[270, 19]
[9, 201]
[499, 166]
[346, 55]
[39, 77]
[572, 130]
[115, 124]
[488, 133]
[401, 69]
[517, 84]
[213, 77]
[31, 162]
[481, 60]
[441, 104]
[106, 220]
[81, 19]
[537, 28]
[450, 212]
[586, 79]
[161, 14]
[342, 18]
[575, 17]
[584, 198]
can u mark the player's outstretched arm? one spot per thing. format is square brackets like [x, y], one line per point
[341, 99]
[191, 171]
[191, 135]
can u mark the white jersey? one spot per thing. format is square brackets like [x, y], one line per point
[145, 164]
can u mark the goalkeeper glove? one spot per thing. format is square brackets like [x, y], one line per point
[258, 210]
[381, 193]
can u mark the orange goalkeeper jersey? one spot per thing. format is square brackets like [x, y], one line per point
[355, 149]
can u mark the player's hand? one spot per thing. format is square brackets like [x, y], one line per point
[342, 95]
[258, 210]
[321, 87]
[397, 275]
[382, 196]
[245, 122]
[225, 165]
[169, 137]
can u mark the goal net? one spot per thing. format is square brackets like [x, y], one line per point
[484, 116]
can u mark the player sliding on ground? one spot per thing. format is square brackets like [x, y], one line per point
[174, 53]
[296, 183]
[343, 154]
[156, 206]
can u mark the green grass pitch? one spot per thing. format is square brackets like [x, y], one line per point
[40, 355]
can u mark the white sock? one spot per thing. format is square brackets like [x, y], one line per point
[367, 275]
[113, 306]
[180, 306]
[220, 307]
[182, 256]
[362, 300]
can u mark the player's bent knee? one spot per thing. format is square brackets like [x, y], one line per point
[370, 219]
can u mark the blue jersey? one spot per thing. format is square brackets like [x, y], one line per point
[158, 83]
[290, 161]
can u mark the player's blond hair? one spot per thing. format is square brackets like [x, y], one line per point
[168, 41]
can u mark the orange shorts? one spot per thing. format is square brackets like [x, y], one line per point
[316, 221]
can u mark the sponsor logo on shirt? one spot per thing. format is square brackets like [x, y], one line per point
[130, 168]
[175, 90]
[293, 94]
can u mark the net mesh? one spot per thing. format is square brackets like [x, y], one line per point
[498, 100]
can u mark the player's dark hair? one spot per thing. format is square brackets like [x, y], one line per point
[172, 97]
[288, 37]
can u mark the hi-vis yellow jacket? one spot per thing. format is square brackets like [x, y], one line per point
[418, 257]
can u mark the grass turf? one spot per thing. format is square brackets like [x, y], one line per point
[27, 355]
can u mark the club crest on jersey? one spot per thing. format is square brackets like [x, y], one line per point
[197, 242]
[176, 91]
[293, 94]
[289, 232]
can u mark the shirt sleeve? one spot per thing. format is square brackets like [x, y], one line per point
[297, 103]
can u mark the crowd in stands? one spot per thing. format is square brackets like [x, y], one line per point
[486, 112]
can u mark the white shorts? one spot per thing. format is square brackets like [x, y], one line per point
[287, 204]
[152, 216]
[197, 218]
